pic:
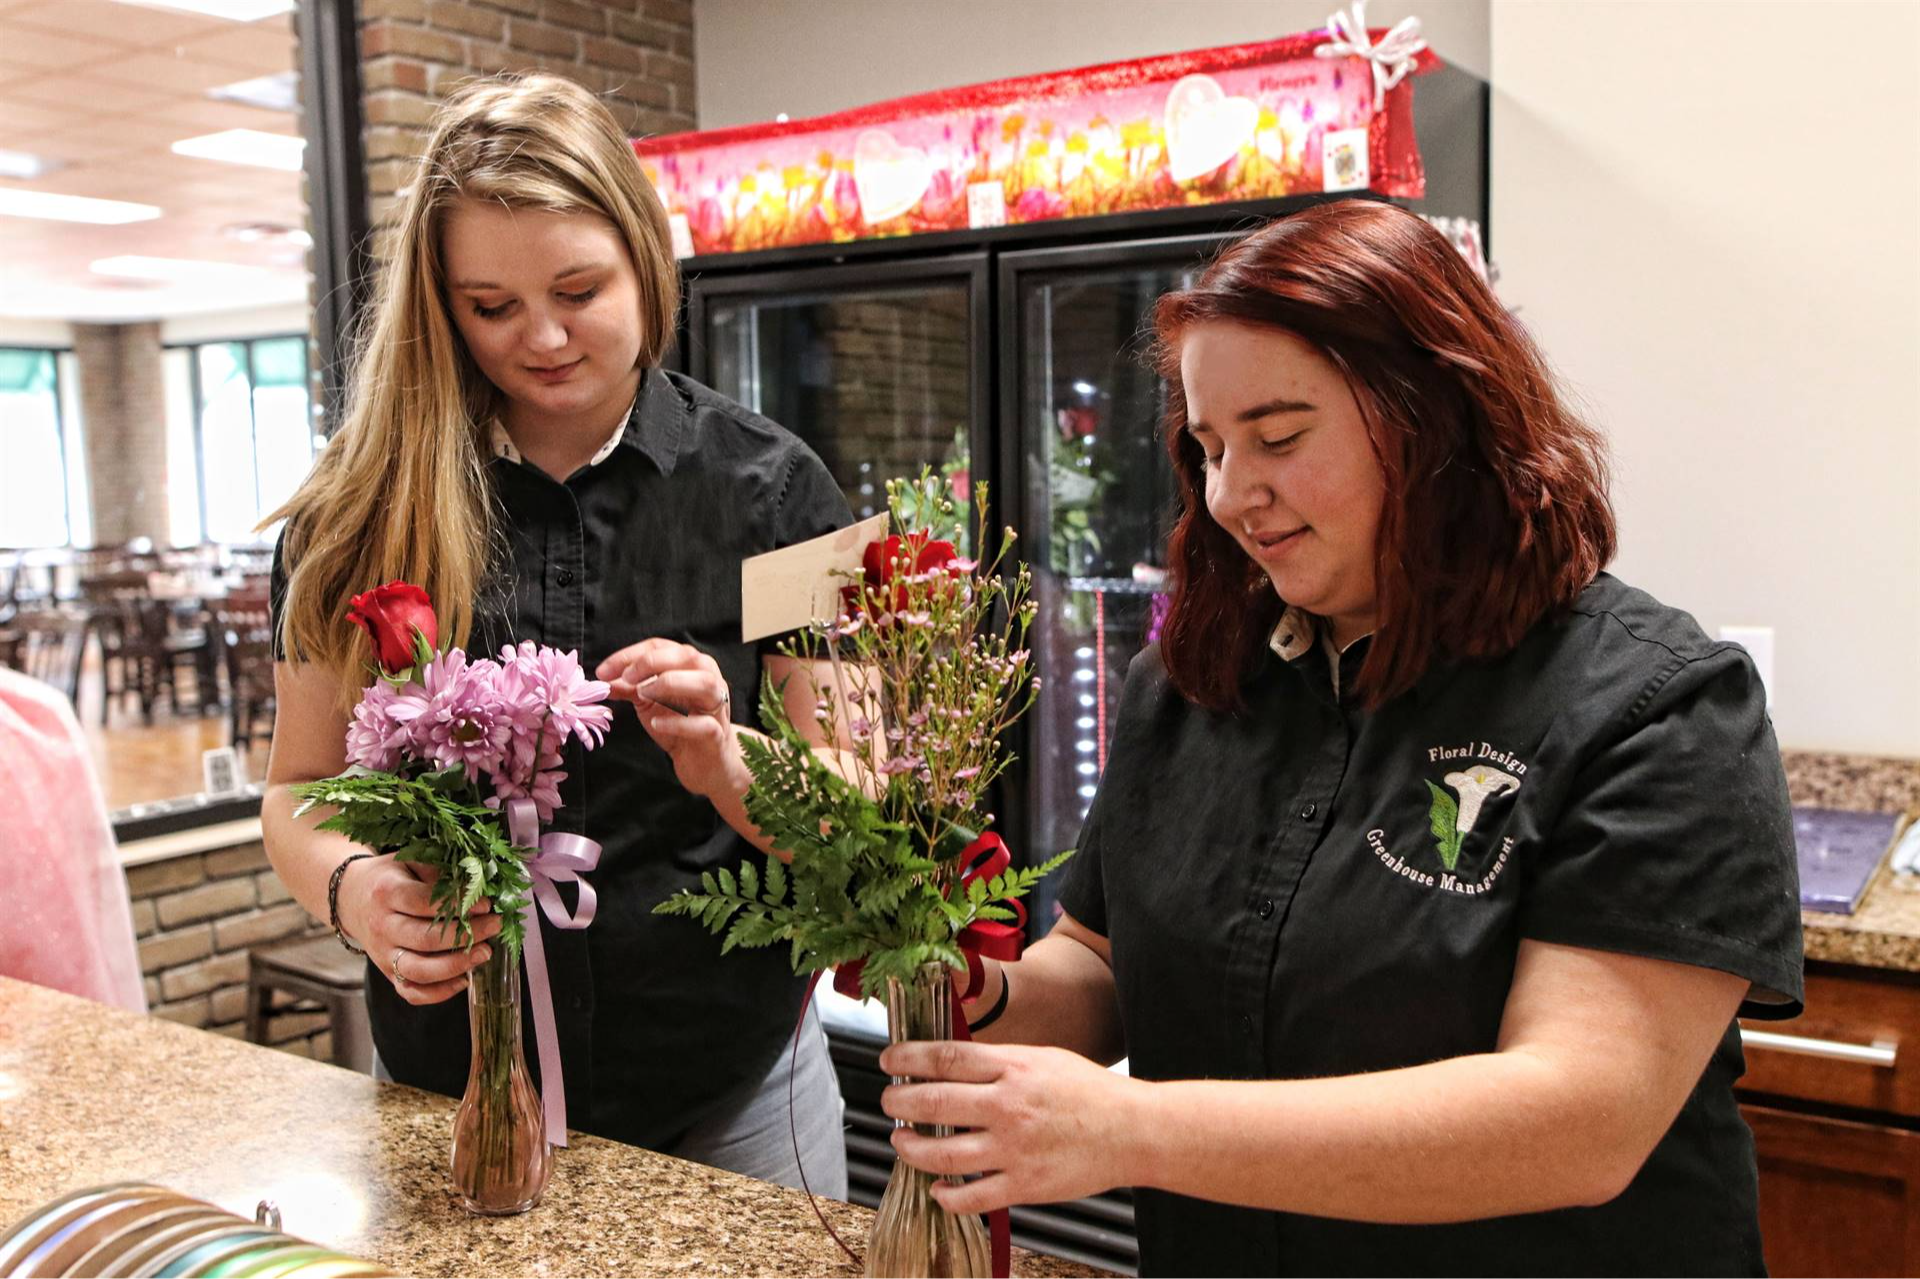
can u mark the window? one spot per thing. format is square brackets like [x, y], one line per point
[250, 428]
[39, 463]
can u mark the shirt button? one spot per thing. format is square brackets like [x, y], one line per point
[564, 577]
[1266, 908]
[1246, 1024]
[1307, 811]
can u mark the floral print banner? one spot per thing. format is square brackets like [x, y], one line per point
[1245, 122]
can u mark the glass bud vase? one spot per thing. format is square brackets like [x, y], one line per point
[912, 1235]
[501, 1160]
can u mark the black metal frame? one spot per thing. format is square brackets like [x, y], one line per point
[336, 184]
[790, 284]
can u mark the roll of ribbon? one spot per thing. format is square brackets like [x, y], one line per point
[130, 1229]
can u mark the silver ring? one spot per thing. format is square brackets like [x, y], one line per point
[398, 980]
[720, 708]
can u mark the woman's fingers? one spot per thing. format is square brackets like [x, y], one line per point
[957, 1156]
[634, 665]
[691, 692]
[982, 1196]
[951, 1059]
[431, 968]
[959, 1105]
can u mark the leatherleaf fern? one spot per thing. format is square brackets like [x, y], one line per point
[929, 668]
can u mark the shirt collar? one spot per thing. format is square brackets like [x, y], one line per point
[1296, 634]
[655, 426]
[504, 449]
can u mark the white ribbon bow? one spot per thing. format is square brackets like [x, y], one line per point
[1392, 59]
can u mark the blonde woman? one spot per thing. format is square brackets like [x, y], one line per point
[512, 445]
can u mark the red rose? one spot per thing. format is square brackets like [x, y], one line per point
[391, 615]
[882, 559]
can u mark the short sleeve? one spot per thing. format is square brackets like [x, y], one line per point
[1083, 885]
[811, 505]
[1677, 841]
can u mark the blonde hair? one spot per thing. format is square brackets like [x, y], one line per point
[401, 491]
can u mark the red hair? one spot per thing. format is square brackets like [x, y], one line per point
[1496, 511]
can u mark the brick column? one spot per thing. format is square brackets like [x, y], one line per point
[123, 404]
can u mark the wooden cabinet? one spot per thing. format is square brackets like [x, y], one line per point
[1833, 1098]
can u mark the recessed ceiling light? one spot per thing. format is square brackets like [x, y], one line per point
[176, 269]
[18, 164]
[246, 146]
[256, 232]
[73, 208]
[232, 10]
[280, 92]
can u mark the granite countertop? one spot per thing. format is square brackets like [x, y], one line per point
[91, 1095]
[1885, 931]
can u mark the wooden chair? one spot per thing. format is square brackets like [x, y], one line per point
[49, 647]
[245, 626]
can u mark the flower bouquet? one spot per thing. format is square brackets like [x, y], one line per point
[454, 765]
[895, 879]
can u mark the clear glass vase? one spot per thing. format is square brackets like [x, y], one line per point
[501, 1160]
[912, 1235]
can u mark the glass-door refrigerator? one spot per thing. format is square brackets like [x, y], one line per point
[881, 369]
[1081, 406]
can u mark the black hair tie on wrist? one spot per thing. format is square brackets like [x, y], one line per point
[999, 1006]
[333, 902]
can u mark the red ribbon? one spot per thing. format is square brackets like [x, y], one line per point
[984, 858]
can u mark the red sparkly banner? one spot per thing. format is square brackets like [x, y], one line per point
[1246, 122]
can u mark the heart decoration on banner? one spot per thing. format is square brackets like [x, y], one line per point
[1205, 128]
[889, 177]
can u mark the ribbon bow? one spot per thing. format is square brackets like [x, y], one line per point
[558, 858]
[1392, 60]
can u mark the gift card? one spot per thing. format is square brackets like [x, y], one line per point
[1343, 160]
[795, 586]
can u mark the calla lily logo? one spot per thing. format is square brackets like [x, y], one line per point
[1451, 819]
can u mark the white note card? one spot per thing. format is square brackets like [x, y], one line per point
[795, 586]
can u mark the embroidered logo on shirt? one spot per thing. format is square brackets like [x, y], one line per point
[1451, 820]
[1455, 806]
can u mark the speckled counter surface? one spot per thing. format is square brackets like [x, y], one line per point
[1885, 931]
[90, 1095]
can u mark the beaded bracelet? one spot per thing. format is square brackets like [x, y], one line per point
[999, 1006]
[333, 902]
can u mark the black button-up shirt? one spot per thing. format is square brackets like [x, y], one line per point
[656, 1026]
[1305, 889]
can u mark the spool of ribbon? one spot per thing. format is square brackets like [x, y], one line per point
[558, 858]
[1392, 60]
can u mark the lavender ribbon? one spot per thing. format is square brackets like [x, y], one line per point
[558, 858]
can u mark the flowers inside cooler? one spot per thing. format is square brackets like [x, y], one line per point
[1100, 499]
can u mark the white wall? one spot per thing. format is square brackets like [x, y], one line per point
[758, 58]
[35, 332]
[1710, 215]
[1707, 212]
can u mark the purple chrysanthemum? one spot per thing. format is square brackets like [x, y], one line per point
[377, 738]
[463, 722]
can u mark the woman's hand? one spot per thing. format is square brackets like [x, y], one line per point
[684, 705]
[388, 910]
[1048, 1124]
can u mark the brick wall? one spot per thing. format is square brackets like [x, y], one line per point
[636, 54]
[123, 403]
[196, 918]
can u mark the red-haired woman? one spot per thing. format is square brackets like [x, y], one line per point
[1432, 864]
